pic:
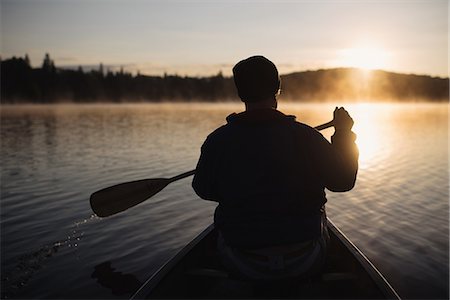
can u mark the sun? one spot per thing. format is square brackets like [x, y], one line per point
[364, 57]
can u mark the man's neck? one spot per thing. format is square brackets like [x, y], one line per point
[265, 104]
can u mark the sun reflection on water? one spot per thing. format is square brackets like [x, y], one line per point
[370, 139]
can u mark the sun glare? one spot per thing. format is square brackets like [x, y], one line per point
[370, 141]
[365, 57]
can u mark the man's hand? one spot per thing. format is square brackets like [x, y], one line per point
[342, 120]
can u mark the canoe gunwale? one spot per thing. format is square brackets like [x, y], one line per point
[368, 266]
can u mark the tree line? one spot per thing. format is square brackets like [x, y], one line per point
[21, 83]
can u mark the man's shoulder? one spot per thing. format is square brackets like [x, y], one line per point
[305, 127]
[309, 133]
[236, 121]
[221, 130]
[218, 134]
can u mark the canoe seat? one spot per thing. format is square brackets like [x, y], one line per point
[338, 276]
[207, 272]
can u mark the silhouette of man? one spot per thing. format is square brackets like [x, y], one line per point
[268, 173]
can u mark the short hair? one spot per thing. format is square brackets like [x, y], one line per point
[256, 78]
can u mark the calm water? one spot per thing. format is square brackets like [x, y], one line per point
[54, 157]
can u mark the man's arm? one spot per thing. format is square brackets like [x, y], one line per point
[338, 161]
[204, 178]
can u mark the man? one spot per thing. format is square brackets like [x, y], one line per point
[269, 173]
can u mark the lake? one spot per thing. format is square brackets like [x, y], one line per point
[54, 157]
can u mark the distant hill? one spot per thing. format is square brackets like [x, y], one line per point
[20, 83]
[357, 84]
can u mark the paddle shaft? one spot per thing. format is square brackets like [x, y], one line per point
[183, 175]
[324, 126]
[192, 172]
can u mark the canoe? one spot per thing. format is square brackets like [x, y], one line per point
[195, 272]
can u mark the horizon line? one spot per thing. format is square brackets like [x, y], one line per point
[133, 69]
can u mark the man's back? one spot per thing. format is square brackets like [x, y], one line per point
[263, 169]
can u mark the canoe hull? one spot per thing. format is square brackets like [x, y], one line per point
[196, 272]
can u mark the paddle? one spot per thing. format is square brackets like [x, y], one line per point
[120, 197]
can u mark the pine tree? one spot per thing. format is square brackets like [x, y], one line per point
[48, 65]
[27, 60]
[100, 70]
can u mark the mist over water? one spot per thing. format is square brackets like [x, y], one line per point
[54, 157]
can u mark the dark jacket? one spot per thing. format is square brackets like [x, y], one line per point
[268, 173]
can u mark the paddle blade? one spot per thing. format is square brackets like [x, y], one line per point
[117, 198]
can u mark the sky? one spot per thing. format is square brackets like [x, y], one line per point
[201, 38]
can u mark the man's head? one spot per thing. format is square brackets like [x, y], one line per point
[256, 79]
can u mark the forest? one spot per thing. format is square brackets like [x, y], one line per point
[21, 83]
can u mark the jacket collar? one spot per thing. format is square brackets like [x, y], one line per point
[259, 116]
